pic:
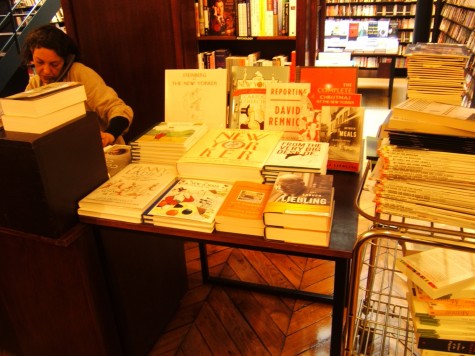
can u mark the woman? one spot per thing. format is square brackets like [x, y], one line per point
[54, 56]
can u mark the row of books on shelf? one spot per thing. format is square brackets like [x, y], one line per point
[246, 18]
[223, 58]
[357, 9]
[441, 299]
[204, 190]
[462, 16]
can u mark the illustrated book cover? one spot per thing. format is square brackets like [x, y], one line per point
[117, 158]
[439, 271]
[191, 204]
[248, 94]
[196, 95]
[130, 192]
[43, 100]
[288, 109]
[301, 201]
[244, 206]
[342, 128]
[295, 156]
[229, 154]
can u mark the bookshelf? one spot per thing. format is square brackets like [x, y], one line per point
[399, 13]
[457, 26]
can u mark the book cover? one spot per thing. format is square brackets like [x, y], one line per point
[42, 124]
[288, 109]
[222, 17]
[330, 86]
[431, 112]
[439, 271]
[229, 154]
[244, 205]
[248, 94]
[298, 236]
[294, 156]
[43, 100]
[117, 158]
[132, 190]
[342, 128]
[196, 95]
[299, 200]
[190, 202]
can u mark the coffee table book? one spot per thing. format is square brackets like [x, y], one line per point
[243, 208]
[129, 193]
[229, 155]
[190, 204]
[439, 271]
[301, 201]
[43, 100]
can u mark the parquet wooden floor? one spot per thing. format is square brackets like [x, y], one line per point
[214, 320]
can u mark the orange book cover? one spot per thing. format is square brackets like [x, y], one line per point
[244, 204]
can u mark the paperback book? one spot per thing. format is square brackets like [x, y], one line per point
[126, 195]
[439, 271]
[301, 200]
[229, 155]
[242, 210]
[191, 204]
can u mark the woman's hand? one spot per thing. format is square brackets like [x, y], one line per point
[107, 139]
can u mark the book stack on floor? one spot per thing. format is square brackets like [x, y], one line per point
[426, 171]
[229, 155]
[45, 108]
[166, 142]
[441, 291]
[129, 193]
[295, 156]
[242, 210]
[436, 71]
[300, 209]
[190, 204]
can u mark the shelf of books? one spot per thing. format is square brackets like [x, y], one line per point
[457, 26]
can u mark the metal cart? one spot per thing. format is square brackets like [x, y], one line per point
[379, 320]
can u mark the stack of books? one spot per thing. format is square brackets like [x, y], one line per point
[190, 204]
[436, 71]
[45, 108]
[300, 209]
[166, 142]
[296, 156]
[129, 193]
[426, 169]
[229, 155]
[242, 210]
[441, 291]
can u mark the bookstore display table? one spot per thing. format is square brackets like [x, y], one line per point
[343, 237]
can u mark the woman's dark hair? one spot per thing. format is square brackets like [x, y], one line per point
[50, 37]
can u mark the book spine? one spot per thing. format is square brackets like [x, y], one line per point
[292, 17]
[448, 345]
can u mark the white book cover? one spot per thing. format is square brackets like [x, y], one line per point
[196, 95]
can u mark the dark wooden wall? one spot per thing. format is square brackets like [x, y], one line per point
[130, 43]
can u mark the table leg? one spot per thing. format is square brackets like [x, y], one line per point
[340, 289]
[392, 72]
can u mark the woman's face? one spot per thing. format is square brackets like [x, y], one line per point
[47, 64]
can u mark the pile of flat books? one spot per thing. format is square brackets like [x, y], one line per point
[166, 142]
[129, 193]
[300, 209]
[436, 71]
[441, 298]
[43, 109]
[295, 156]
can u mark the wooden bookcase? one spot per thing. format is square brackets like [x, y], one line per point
[457, 26]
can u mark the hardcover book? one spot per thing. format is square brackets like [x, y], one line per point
[298, 156]
[342, 128]
[298, 236]
[288, 109]
[439, 271]
[248, 94]
[191, 204]
[117, 158]
[43, 100]
[130, 192]
[301, 201]
[243, 207]
[229, 155]
[196, 95]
